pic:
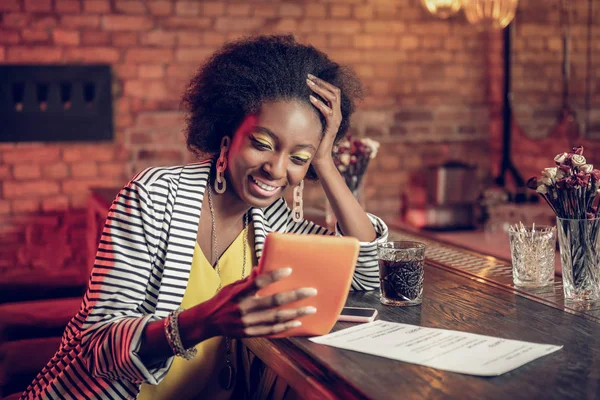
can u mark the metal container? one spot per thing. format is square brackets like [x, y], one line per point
[451, 196]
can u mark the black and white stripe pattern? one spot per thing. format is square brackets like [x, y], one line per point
[140, 275]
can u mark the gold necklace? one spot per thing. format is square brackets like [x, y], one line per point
[227, 374]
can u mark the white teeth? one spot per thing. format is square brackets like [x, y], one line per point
[264, 186]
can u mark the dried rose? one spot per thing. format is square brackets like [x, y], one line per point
[543, 189]
[578, 150]
[587, 168]
[572, 182]
[532, 183]
[559, 174]
[345, 159]
[550, 172]
[566, 170]
[583, 179]
[578, 160]
[560, 158]
[546, 181]
[595, 174]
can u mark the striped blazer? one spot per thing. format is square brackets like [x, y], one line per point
[140, 275]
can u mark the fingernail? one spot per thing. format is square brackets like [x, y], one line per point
[311, 76]
[313, 98]
[311, 83]
[309, 310]
[310, 291]
[286, 271]
[295, 324]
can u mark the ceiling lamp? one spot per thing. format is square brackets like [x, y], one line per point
[442, 8]
[494, 14]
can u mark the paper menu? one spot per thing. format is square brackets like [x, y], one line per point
[465, 353]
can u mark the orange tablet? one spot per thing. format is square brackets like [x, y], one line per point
[326, 263]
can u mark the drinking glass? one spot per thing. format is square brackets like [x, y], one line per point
[401, 270]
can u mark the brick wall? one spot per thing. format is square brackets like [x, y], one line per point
[538, 85]
[429, 84]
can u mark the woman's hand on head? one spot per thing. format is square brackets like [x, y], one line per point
[331, 108]
[236, 311]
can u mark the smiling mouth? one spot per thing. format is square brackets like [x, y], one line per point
[264, 186]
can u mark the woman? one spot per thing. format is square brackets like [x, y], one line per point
[269, 110]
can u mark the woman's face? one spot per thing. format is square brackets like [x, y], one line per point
[272, 150]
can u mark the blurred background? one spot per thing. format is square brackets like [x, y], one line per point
[437, 82]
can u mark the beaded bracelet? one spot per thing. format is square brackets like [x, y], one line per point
[171, 326]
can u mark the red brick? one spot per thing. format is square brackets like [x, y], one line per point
[38, 5]
[338, 26]
[182, 71]
[290, 10]
[340, 41]
[92, 54]
[31, 36]
[151, 71]
[149, 55]
[4, 207]
[9, 36]
[126, 23]
[84, 169]
[239, 9]
[43, 54]
[187, 8]
[56, 170]
[160, 119]
[81, 186]
[363, 12]
[35, 154]
[131, 6]
[158, 38]
[88, 153]
[96, 6]
[265, 10]
[25, 206]
[16, 190]
[213, 9]
[375, 41]
[384, 27]
[187, 22]
[55, 203]
[148, 89]
[10, 5]
[340, 11]
[114, 170]
[5, 171]
[227, 24]
[124, 39]
[67, 6]
[197, 55]
[213, 39]
[160, 7]
[189, 38]
[316, 10]
[125, 71]
[42, 22]
[15, 20]
[80, 21]
[409, 42]
[97, 38]
[27, 171]
[62, 37]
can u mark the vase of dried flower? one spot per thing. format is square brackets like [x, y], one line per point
[579, 242]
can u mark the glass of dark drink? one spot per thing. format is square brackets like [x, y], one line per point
[401, 270]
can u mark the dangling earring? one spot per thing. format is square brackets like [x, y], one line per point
[220, 182]
[297, 211]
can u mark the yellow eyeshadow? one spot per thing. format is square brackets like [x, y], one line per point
[263, 138]
[303, 154]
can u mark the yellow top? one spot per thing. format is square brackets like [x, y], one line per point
[198, 378]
